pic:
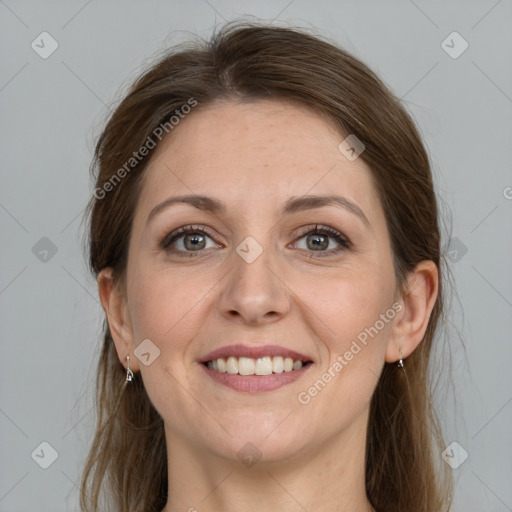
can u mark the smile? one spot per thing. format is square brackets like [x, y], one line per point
[247, 366]
[255, 368]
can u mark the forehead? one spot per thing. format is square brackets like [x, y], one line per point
[262, 152]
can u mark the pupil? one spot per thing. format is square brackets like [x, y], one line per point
[194, 242]
[318, 241]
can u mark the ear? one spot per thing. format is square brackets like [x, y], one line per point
[418, 302]
[113, 300]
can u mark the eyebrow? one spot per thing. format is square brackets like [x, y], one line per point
[293, 205]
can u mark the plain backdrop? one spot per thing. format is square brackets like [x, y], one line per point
[52, 109]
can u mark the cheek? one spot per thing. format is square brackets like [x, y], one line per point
[345, 306]
[354, 342]
[164, 305]
[353, 320]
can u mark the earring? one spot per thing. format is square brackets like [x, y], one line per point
[129, 373]
[400, 363]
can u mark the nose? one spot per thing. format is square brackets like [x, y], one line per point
[254, 293]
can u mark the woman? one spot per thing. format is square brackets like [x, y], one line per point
[264, 233]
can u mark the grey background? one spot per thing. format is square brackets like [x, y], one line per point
[52, 110]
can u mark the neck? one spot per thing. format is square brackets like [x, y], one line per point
[324, 477]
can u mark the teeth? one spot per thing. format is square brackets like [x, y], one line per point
[249, 366]
[246, 366]
[277, 364]
[264, 366]
[221, 365]
[232, 365]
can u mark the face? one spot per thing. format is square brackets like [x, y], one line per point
[259, 270]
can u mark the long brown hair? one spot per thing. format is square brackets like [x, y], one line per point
[127, 461]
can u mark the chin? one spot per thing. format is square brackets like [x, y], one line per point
[258, 443]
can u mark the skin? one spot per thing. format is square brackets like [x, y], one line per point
[253, 157]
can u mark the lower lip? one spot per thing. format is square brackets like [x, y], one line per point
[256, 383]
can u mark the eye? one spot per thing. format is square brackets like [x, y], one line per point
[188, 239]
[320, 238]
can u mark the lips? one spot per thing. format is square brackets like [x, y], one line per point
[254, 352]
[252, 380]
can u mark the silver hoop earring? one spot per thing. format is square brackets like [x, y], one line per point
[129, 373]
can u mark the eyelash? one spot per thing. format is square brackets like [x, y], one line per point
[344, 242]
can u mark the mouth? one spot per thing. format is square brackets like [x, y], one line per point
[255, 369]
[248, 366]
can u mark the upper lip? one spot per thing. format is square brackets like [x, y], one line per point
[254, 352]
